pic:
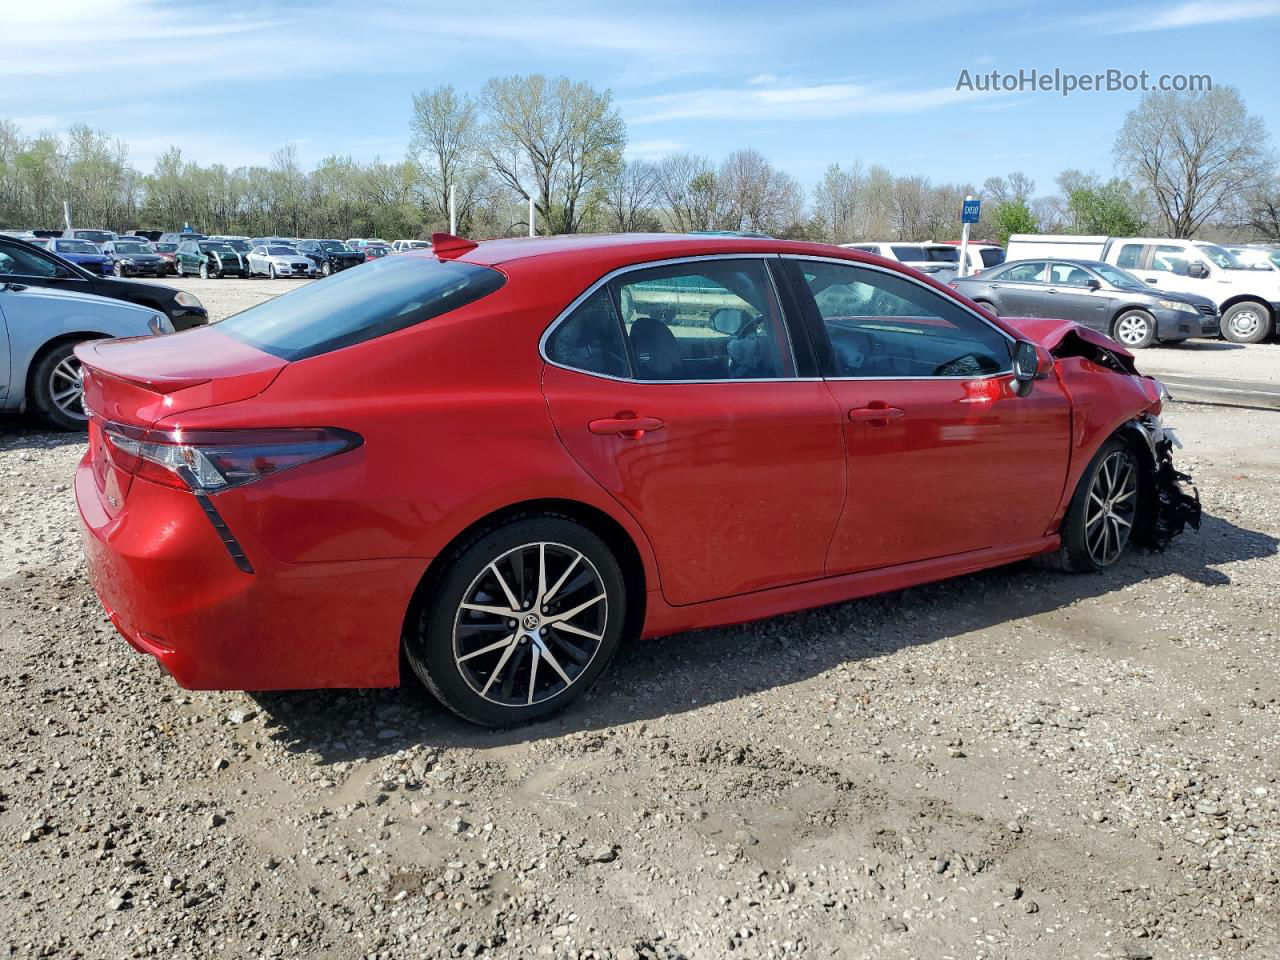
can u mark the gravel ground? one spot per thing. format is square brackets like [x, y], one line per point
[1254, 362]
[1014, 764]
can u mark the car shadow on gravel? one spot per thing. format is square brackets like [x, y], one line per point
[669, 675]
[20, 431]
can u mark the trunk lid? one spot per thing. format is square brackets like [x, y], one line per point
[142, 380]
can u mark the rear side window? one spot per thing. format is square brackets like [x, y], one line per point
[358, 305]
[591, 338]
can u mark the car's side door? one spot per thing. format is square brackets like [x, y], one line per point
[1076, 294]
[943, 457]
[1020, 289]
[677, 388]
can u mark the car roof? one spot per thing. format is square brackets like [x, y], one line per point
[620, 249]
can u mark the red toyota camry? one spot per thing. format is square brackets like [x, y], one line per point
[506, 459]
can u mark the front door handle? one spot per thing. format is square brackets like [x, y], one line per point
[625, 425]
[875, 415]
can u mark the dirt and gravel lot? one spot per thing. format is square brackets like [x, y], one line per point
[1015, 764]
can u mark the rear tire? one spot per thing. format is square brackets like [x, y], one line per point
[1135, 329]
[56, 393]
[499, 663]
[1246, 322]
[1103, 511]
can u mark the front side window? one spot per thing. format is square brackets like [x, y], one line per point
[1130, 257]
[1169, 259]
[16, 262]
[885, 325]
[710, 320]
[358, 305]
[1030, 272]
[1069, 275]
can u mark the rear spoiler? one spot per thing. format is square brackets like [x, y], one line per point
[91, 358]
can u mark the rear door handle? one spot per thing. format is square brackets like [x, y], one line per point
[630, 427]
[876, 416]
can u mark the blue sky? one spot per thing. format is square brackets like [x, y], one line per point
[807, 84]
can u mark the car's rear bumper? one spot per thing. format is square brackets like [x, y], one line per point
[172, 589]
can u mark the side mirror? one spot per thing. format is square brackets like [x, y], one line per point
[1197, 269]
[1094, 283]
[1030, 363]
[728, 320]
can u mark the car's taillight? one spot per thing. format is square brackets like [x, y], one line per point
[209, 461]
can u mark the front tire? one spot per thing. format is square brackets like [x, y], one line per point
[1103, 511]
[1246, 322]
[524, 621]
[271, 271]
[1135, 329]
[204, 271]
[327, 268]
[56, 389]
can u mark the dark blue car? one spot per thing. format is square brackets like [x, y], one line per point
[86, 254]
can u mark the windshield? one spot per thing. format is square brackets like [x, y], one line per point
[1120, 279]
[281, 251]
[133, 248]
[216, 248]
[77, 246]
[95, 236]
[373, 250]
[166, 247]
[1221, 256]
[943, 254]
[241, 245]
[334, 246]
[908, 254]
[357, 305]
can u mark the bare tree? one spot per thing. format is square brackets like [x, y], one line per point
[553, 140]
[444, 148]
[756, 195]
[1015, 187]
[1194, 152]
[836, 203]
[687, 191]
[630, 195]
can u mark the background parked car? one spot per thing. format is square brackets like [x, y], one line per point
[98, 237]
[210, 259]
[1248, 299]
[1094, 294]
[240, 245]
[84, 253]
[25, 263]
[375, 251]
[939, 260]
[400, 246]
[169, 253]
[982, 256]
[151, 236]
[134, 257]
[329, 256]
[176, 238]
[272, 241]
[278, 260]
[39, 329]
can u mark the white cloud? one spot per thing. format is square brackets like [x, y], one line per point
[1195, 13]
[792, 100]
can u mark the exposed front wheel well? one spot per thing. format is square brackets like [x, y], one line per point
[594, 519]
[56, 342]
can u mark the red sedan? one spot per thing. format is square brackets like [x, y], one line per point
[505, 459]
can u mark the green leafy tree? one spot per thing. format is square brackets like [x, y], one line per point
[1109, 210]
[1010, 217]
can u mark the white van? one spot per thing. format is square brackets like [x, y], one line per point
[1248, 297]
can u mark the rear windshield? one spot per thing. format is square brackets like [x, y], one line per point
[357, 305]
[992, 256]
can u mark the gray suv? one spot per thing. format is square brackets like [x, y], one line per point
[1094, 294]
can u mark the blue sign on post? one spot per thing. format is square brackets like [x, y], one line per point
[969, 211]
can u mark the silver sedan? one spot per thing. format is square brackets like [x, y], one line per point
[279, 261]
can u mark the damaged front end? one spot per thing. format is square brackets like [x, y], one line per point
[1175, 502]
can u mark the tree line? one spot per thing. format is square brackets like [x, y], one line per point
[1185, 164]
